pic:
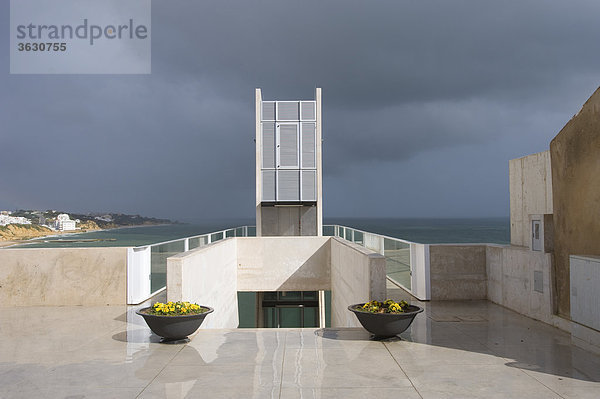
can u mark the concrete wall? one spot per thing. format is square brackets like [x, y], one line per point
[511, 273]
[457, 271]
[63, 276]
[575, 154]
[357, 275]
[212, 275]
[288, 221]
[530, 193]
[283, 264]
[207, 276]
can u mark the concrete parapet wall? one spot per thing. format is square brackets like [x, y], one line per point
[207, 276]
[512, 273]
[63, 276]
[357, 275]
[505, 275]
[283, 263]
[457, 271]
[212, 275]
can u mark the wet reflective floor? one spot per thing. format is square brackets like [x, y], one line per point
[469, 349]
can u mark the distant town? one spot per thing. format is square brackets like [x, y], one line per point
[25, 224]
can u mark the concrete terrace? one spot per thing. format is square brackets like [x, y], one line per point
[467, 349]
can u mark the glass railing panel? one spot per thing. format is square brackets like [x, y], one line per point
[216, 236]
[251, 231]
[358, 237]
[197, 242]
[230, 233]
[397, 260]
[374, 242]
[239, 232]
[158, 262]
[194, 242]
[328, 231]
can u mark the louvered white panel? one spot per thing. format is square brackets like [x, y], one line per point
[309, 159]
[307, 111]
[268, 110]
[309, 185]
[268, 185]
[288, 111]
[288, 145]
[288, 185]
[268, 145]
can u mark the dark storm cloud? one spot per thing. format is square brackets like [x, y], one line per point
[439, 92]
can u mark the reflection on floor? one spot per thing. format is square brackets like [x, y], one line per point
[453, 350]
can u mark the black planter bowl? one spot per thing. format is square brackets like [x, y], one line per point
[174, 328]
[385, 325]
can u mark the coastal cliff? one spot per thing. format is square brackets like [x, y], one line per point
[18, 232]
[14, 232]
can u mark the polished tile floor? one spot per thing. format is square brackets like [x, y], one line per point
[453, 350]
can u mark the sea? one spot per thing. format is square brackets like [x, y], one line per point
[421, 230]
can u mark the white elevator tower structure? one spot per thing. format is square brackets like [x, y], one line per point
[288, 167]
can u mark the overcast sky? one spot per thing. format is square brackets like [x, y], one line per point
[424, 104]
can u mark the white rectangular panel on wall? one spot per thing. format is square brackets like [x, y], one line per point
[309, 185]
[288, 111]
[288, 145]
[268, 111]
[307, 111]
[268, 185]
[309, 156]
[288, 185]
[584, 282]
[268, 145]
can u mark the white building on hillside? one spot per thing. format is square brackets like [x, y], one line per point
[64, 223]
[6, 219]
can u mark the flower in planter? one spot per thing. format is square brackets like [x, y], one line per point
[176, 309]
[389, 306]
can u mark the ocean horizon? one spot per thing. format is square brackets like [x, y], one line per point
[494, 230]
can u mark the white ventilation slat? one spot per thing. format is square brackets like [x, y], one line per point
[268, 145]
[309, 158]
[268, 185]
[268, 110]
[288, 145]
[288, 111]
[288, 185]
[309, 185]
[307, 111]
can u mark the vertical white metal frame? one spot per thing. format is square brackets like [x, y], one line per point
[138, 274]
[322, 320]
